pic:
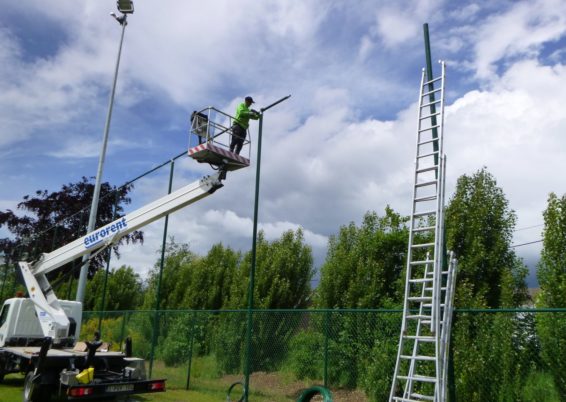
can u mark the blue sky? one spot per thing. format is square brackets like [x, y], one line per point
[342, 145]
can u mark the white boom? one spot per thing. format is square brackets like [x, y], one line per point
[53, 320]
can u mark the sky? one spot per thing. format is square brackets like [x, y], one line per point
[342, 145]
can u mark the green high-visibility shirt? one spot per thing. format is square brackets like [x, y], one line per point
[243, 115]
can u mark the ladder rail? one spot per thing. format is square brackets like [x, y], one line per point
[409, 387]
[409, 254]
[433, 311]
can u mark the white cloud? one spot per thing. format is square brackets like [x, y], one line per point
[520, 31]
[342, 145]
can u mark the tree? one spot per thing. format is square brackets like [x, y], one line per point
[551, 273]
[176, 277]
[551, 270]
[52, 220]
[211, 279]
[363, 266]
[479, 229]
[284, 269]
[124, 290]
[283, 273]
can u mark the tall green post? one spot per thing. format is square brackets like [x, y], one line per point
[249, 328]
[251, 286]
[158, 292]
[431, 97]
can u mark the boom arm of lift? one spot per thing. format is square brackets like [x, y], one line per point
[54, 322]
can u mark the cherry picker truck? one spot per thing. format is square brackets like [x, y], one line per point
[38, 334]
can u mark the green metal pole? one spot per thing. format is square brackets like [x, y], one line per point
[252, 270]
[431, 98]
[326, 323]
[158, 295]
[193, 324]
[103, 303]
[253, 264]
[123, 329]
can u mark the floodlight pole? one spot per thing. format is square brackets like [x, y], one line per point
[253, 262]
[94, 206]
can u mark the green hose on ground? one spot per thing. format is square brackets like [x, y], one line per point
[309, 393]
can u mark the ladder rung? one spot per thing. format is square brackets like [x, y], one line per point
[430, 103]
[431, 92]
[424, 228]
[430, 305]
[421, 280]
[420, 338]
[427, 155]
[426, 183]
[422, 397]
[422, 130]
[418, 317]
[424, 213]
[427, 198]
[427, 169]
[424, 358]
[421, 378]
[419, 298]
[432, 81]
[422, 262]
[422, 245]
[403, 399]
[430, 115]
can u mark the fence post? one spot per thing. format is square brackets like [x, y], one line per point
[123, 329]
[326, 323]
[193, 324]
[158, 293]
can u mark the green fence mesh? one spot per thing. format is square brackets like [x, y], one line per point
[496, 355]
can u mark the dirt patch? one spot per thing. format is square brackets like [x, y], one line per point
[276, 387]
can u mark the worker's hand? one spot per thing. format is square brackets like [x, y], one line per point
[255, 111]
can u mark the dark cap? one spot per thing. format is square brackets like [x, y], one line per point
[249, 99]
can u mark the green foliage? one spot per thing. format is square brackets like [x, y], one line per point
[306, 356]
[282, 275]
[282, 280]
[538, 387]
[175, 278]
[364, 265]
[123, 290]
[552, 267]
[54, 219]
[192, 282]
[552, 279]
[479, 229]
[110, 330]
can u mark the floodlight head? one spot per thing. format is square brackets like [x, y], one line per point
[125, 6]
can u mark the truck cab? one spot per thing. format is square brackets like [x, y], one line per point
[20, 323]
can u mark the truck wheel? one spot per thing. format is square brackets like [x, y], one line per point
[33, 392]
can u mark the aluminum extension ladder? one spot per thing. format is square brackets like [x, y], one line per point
[420, 368]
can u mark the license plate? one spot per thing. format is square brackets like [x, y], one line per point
[120, 388]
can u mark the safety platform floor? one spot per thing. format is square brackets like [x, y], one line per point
[216, 155]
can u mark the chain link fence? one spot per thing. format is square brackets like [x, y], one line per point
[496, 355]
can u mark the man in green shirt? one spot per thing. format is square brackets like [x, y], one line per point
[241, 124]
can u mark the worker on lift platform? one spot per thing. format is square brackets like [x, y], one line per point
[241, 124]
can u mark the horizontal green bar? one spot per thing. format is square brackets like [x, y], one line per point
[314, 311]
